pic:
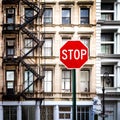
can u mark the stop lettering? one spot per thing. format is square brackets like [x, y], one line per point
[73, 54]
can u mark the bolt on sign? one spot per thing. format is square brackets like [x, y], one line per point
[73, 54]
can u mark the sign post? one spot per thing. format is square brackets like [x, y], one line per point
[73, 54]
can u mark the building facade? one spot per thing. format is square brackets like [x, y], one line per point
[35, 85]
[108, 59]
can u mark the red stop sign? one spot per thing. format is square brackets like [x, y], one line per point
[73, 54]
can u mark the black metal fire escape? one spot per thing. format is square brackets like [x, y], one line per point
[37, 43]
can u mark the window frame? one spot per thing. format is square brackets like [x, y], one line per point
[48, 82]
[85, 82]
[28, 81]
[66, 17]
[10, 112]
[45, 47]
[107, 12]
[10, 19]
[107, 42]
[64, 82]
[63, 114]
[10, 46]
[27, 48]
[49, 18]
[31, 24]
[10, 83]
[85, 19]
[111, 78]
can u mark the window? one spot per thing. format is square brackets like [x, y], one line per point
[29, 13]
[86, 41]
[107, 43]
[66, 80]
[28, 79]
[10, 18]
[64, 40]
[47, 112]
[65, 113]
[28, 112]
[107, 11]
[47, 47]
[48, 16]
[10, 112]
[84, 13]
[108, 81]
[48, 81]
[110, 110]
[10, 47]
[83, 113]
[84, 80]
[28, 45]
[66, 16]
[10, 79]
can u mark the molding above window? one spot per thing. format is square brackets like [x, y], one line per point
[48, 34]
[84, 2]
[67, 2]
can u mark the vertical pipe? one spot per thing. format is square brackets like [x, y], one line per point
[74, 94]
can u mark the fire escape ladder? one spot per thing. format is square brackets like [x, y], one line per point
[37, 43]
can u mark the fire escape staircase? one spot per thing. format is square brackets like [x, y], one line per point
[37, 43]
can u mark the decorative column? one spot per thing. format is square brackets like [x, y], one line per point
[37, 111]
[19, 113]
[56, 112]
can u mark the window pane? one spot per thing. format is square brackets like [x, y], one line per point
[107, 68]
[10, 85]
[48, 81]
[10, 112]
[10, 51]
[28, 45]
[107, 16]
[107, 37]
[66, 16]
[84, 80]
[84, 13]
[108, 49]
[28, 80]
[48, 16]
[66, 81]
[29, 12]
[107, 6]
[47, 47]
[10, 75]
[28, 112]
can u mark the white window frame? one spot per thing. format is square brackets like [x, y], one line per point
[48, 79]
[107, 12]
[47, 49]
[66, 80]
[111, 76]
[107, 43]
[85, 80]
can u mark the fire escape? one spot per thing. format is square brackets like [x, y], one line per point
[21, 60]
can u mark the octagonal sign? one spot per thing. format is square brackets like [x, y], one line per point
[73, 54]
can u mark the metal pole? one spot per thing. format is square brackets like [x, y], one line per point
[74, 95]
